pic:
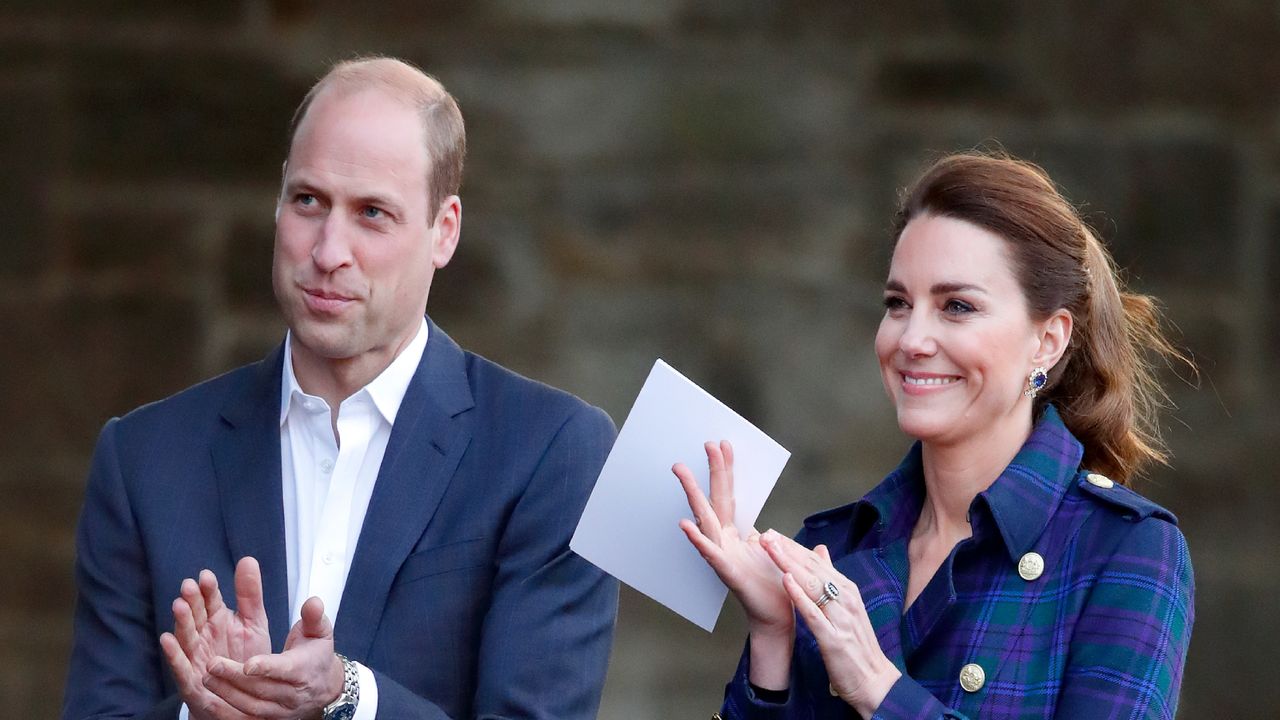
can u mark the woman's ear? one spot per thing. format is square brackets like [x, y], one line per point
[1054, 336]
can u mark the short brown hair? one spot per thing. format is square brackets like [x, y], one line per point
[1105, 386]
[444, 134]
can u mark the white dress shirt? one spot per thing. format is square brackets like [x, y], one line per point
[328, 481]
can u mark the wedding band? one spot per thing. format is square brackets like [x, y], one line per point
[829, 592]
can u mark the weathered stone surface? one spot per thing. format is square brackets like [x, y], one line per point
[707, 181]
[194, 116]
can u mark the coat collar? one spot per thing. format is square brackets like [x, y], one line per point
[1021, 501]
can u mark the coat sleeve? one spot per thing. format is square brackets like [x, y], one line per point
[545, 641]
[1129, 646]
[116, 668]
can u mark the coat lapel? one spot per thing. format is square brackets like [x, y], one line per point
[425, 447]
[246, 460]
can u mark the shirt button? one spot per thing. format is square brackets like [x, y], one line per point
[972, 677]
[1101, 481]
[326, 465]
[329, 558]
[1031, 566]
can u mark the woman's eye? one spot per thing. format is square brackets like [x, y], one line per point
[957, 307]
[894, 302]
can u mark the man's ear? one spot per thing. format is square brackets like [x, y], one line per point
[446, 230]
[1054, 336]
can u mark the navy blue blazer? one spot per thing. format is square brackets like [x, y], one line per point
[463, 596]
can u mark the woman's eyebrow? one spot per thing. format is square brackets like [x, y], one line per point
[942, 288]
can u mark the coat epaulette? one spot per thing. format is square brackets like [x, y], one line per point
[1129, 503]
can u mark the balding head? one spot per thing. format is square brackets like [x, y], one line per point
[444, 135]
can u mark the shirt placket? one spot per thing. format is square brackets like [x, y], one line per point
[329, 556]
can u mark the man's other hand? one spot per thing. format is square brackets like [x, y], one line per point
[206, 629]
[296, 683]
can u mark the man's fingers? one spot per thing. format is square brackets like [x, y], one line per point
[249, 603]
[178, 662]
[211, 593]
[707, 521]
[190, 591]
[184, 628]
[720, 463]
[315, 624]
[201, 702]
[256, 697]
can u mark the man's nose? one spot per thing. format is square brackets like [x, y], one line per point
[332, 249]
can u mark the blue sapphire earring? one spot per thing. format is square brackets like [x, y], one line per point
[1036, 382]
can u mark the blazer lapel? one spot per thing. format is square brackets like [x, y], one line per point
[246, 460]
[425, 447]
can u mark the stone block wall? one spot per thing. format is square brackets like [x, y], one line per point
[706, 181]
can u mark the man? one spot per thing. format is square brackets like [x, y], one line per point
[368, 471]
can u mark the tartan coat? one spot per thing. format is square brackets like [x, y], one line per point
[1098, 628]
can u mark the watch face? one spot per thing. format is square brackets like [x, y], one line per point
[345, 711]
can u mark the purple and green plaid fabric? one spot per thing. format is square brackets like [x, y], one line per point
[1101, 632]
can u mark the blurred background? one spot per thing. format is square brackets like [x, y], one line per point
[706, 181]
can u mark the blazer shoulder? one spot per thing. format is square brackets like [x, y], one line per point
[200, 402]
[508, 394]
[1123, 501]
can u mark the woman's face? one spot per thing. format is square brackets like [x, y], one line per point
[956, 343]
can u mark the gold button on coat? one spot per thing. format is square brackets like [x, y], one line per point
[972, 677]
[1101, 481]
[1030, 566]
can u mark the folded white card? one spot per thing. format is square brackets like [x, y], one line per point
[630, 527]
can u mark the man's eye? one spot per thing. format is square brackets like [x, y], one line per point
[371, 212]
[957, 307]
[306, 199]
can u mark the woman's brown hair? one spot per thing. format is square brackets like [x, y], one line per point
[1105, 386]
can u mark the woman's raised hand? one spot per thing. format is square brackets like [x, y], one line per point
[742, 564]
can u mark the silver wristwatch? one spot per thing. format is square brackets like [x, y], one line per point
[344, 708]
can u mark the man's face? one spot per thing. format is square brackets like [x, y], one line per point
[355, 243]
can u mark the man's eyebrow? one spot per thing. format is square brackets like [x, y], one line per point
[942, 288]
[300, 184]
[378, 199]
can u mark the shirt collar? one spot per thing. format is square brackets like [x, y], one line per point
[387, 390]
[1021, 500]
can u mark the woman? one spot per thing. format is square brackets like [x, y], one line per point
[1003, 569]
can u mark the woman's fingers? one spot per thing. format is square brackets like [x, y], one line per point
[709, 550]
[805, 607]
[792, 557]
[704, 515]
[720, 461]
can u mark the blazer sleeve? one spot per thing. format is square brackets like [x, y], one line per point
[1130, 644]
[116, 669]
[545, 641]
